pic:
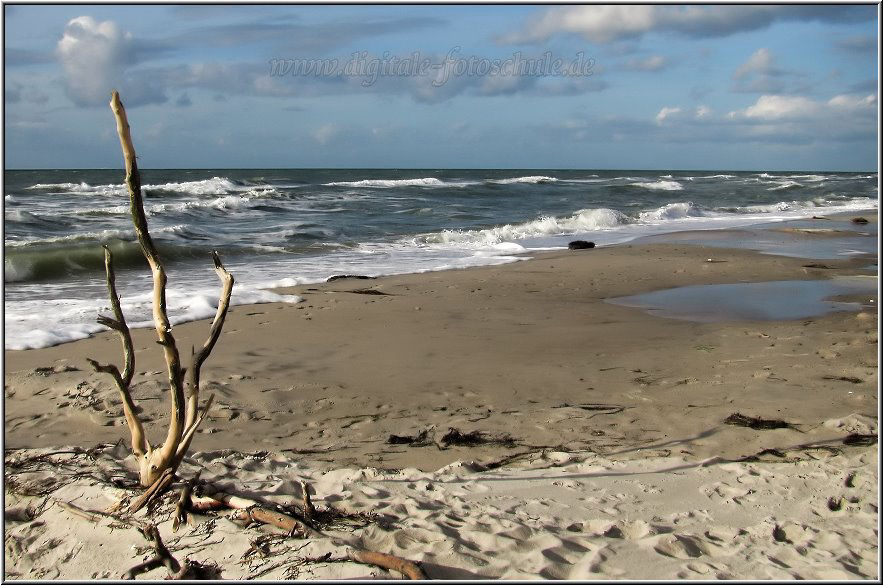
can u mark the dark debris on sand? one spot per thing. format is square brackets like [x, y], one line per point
[344, 276]
[473, 438]
[741, 420]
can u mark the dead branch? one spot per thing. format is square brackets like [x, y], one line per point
[386, 561]
[205, 504]
[309, 509]
[162, 556]
[97, 516]
[139, 440]
[184, 417]
[257, 514]
[196, 570]
[184, 502]
[160, 316]
[154, 491]
[254, 511]
[217, 324]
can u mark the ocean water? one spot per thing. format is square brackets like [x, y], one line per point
[283, 227]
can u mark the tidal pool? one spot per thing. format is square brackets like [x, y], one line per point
[754, 301]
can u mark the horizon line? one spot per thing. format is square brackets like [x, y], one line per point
[438, 169]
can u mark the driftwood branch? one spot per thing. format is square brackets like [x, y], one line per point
[185, 415]
[161, 557]
[309, 509]
[119, 321]
[407, 568]
[163, 327]
[203, 504]
[253, 511]
[155, 490]
[140, 446]
[97, 516]
[184, 503]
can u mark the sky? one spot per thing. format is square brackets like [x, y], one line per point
[729, 87]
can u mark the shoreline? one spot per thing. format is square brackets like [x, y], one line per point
[254, 284]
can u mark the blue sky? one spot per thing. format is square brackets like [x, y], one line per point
[784, 87]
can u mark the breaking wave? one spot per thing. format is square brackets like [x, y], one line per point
[533, 179]
[390, 183]
[582, 221]
[659, 185]
[677, 210]
[213, 186]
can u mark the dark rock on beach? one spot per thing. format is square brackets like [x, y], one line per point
[860, 220]
[580, 245]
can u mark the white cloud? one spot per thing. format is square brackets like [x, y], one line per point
[778, 107]
[761, 61]
[853, 102]
[600, 24]
[652, 63]
[787, 108]
[605, 24]
[703, 112]
[666, 113]
[95, 56]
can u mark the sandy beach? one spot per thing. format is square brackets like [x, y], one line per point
[602, 449]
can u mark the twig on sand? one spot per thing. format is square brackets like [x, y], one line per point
[162, 556]
[309, 509]
[154, 491]
[385, 561]
[184, 503]
[253, 511]
[97, 516]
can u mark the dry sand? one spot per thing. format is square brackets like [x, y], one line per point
[608, 452]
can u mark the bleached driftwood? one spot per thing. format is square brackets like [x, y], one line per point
[185, 415]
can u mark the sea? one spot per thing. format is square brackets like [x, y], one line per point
[281, 227]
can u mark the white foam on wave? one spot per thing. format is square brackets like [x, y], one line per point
[390, 183]
[532, 179]
[590, 180]
[224, 202]
[213, 186]
[816, 205]
[584, 220]
[28, 328]
[62, 186]
[670, 211]
[659, 185]
[783, 185]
